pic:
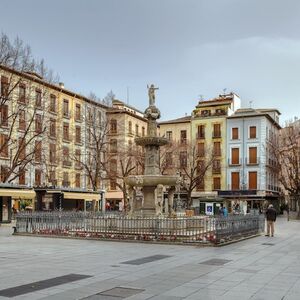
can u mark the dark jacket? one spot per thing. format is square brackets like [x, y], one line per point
[271, 214]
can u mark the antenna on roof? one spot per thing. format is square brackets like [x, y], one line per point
[250, 103]
[224, 91]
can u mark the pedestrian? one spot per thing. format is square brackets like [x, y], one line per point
[225, 212]
[221, 212]
[271, 218]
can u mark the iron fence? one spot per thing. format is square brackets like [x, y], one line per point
[184, 230]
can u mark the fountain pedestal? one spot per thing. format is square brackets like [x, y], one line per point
[152, 181]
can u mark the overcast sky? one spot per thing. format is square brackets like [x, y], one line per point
[186, 47]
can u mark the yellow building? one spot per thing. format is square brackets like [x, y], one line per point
[126, 123]
[208, 130]
[43, 128]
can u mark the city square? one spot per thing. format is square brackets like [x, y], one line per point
[149, 149]
[258, 268]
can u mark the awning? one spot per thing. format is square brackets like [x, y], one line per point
[114, 195]
[81, 196]
[17, 193]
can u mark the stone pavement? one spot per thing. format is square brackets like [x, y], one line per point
[46, 268]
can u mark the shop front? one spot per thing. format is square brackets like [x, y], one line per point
[14, 200]
[57, 199]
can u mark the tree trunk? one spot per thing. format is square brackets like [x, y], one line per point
[189, 200]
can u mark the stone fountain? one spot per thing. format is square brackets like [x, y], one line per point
[146, 192]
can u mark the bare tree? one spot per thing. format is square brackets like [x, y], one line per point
[22, 110]
[193, 167]
[286, 157]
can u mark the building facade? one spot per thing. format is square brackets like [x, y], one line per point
[251, 178]
[44, 139]
[125, 158]
[209, 133]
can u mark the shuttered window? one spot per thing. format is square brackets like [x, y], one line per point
[235, 180]
[217, 183]
[235, 133]
[252, 180]
[201, 149]
[252, 132]
[235, 156]
[252, 155]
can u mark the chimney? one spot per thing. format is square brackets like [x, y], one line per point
[61, 85]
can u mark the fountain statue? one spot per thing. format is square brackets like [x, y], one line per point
[146, 192]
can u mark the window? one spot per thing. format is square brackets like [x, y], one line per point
[77, 158]
[169, 135]
[235, 156]
[130, 127]
[77, 180]
[100, 118]
[4, 87]
[52, 153]
[216, 167]
[136, 129]
[65, 182]
[217, 131]
[77, 112]
[252, 132]
[205, 112]
[129, 146]
[38, 98]
[66, 108]
[217, 183]
[183, 136]
[235, 180]
[66, 134]
[169, 160]
[37, 177]
[3, 115]
[4, 145]
[113, 184]
[252, 155]
[183, 159]
[22, 148]
[235, 133]
[22, 93]
[217, 148]
[52, 177]
[38, 123]
[143, 131]
[22, 120]
[38, 151]
[113, 167]
[201, 149]
[113, 126]
[4, 173]
[89, 115]
[22, 177]
[52, 128]
[201, 132]
[78, 134]
[66, 158]
[252, 180]
[113, 146]
[52, 107]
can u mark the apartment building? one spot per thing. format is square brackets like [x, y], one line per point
[209, 133]
[251, 176]
[44, 138]
[125, 158]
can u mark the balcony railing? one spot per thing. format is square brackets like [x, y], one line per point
[216, 170]
[216, 135]
[254, 161]
[200, 136]
[67, 163]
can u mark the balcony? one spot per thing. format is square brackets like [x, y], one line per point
[234, 163]
[200, 136]
[65, 183]
[253, 162]
[216, 135]
[67, 163]
[216, 170]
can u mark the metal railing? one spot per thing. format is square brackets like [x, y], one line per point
[182, 230]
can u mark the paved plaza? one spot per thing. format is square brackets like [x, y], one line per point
[46, 268]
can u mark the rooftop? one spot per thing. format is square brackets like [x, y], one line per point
[185, 119]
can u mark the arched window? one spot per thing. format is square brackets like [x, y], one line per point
[113, 126]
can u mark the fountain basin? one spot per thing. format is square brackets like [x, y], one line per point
[152, 180]
[151, 140]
